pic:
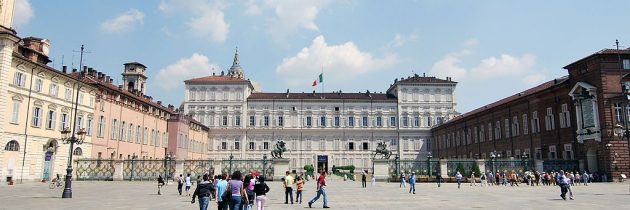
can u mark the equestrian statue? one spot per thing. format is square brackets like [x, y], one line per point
[278, 149]
[381, 149]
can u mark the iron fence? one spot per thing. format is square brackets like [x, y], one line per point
[508, 165]
[420, 167]
[259, 166]
[453, 166]
[556, 165]
[198, 167]
[94, 169]
[147, 169]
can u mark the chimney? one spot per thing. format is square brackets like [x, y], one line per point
[85, 68]
[159, 102]
[111, 81]
[424, 74]
[107, 78]
[64, 69]
[119, 87]
[74, 70]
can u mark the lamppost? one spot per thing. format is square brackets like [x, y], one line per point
[397, 160]
[231, 157]
[525, 158]
[133, 163]
[71, 139]
[493, 156]
[264, 165]
[429, 156]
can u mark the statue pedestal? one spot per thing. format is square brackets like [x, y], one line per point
[381, 169]
[118, 171]
[280, 167]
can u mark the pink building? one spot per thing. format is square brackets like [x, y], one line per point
[188, 138]
[127, 122]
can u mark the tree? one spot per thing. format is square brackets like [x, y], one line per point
[461, 169]
[476, 169]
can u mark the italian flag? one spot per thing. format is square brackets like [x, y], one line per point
[320, 79]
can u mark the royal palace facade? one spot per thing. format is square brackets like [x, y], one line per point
[323, 129]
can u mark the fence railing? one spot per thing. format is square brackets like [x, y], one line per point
[147, 169]
[420, 167]
[259, 166]
[94, 169]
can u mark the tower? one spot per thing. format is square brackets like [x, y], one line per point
[236, 70]
[134, 78]
[6, 13]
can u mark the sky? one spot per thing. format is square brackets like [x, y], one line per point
[493, 48]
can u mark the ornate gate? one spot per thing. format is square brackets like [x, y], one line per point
[421, 167]
[263, 167]
[198, 167]
[147, 169]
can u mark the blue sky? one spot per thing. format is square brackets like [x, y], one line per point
[492, 48]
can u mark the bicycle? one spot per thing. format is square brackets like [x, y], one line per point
[57, 182]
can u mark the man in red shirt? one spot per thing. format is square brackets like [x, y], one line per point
[321, 184]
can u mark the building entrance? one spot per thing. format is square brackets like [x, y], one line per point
[322, 163]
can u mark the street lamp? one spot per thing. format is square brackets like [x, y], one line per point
[525, 156]
[75, 138]
[397, 160]
[133, 163]
[264, 165]
[493, 156]
[231, 157]
[429, 156]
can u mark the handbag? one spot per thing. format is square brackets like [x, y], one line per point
[227, 195]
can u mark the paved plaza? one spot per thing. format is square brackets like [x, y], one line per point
[342, 195]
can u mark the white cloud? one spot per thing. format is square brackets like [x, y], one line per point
[448, 66]
[288, 16]
[207, 17]
[123, 22]
[492, 67]
[252, 8]
[534, 79]
[174, 75]
[343, 62]
[505, 65]
[23, 13]
[471, 42]
[401, 39]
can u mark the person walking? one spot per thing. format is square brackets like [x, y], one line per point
[585, 177]
[458, 177]
[203, 191]
[482, 179]
[438, 179]
[497, 178]
[288, 186]
[180, 184]
[321, 185]
[160, 181]
[237, 191]
[412, 183]
[566, 180]
[472, 179]
[188, 184]
[299, 184]
[261, 189]
[373, 180]
[513, 179]
[402, 180]
[563, 182]
[248, 184]
[221, 188]
[363, 179]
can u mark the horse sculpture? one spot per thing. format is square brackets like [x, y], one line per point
[278, 149]
[381, 149]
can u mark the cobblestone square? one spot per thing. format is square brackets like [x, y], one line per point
[342, 195]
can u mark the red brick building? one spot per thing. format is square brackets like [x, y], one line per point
[573, 122]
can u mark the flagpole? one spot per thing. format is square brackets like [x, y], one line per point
[322, 78]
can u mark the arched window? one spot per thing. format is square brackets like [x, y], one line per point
[13, 145]
[78, 151]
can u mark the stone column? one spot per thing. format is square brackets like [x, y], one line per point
[179, 169]
[381, 169]
[482, 166]
[118, 170]
[280, 166]
[539, 165]
[444, 168]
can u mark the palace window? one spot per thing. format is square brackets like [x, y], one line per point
[39, 85]
[337, 121]
[309, 121]
[515, 127]
[252, 145]
[237, 120]
[224, 121]
[350, 121]
[565, 116]
[365, 121]
[365, 146]
[15, 115]
[51, 119]
[252, 120]
[266, 120]
[322, 121]
[281, 121]
[405, 121]
[525, 123]
[37, 117]
[549, 119]
[392, 121]
[12, 145]
[351, 146]
[20, 79]
[266, 145]
[78, 151]
[535, 122]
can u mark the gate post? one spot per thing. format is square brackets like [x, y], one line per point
[118, 170]
[280, 166]
[444, 168]
[179, 168]
[482, 166]
[381, 169]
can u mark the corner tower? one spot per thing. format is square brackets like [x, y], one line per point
[134, 78]
[236, 70]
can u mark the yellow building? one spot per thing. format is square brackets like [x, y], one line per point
[37, 104]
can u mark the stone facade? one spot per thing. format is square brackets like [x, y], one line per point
[188, 138]
[323, 129]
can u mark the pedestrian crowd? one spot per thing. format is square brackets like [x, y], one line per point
[243, 191]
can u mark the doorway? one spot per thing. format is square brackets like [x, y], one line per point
[591, 159]
[322, 163]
